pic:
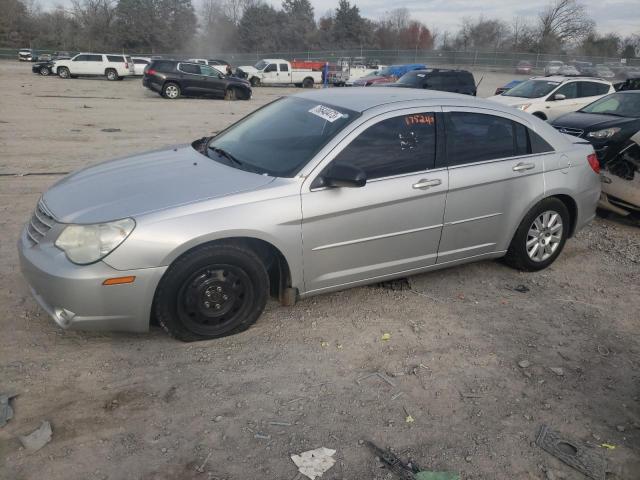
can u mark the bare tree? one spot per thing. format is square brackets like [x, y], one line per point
[565, 21]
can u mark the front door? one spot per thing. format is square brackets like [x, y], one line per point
[270, 74]
[554, 108]
[493, 175]
[393, 223]
[212, 81]
[80, 65]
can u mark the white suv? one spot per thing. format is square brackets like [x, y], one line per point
[112, 66]
[550, 97]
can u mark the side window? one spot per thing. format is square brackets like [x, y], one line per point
[475, 137]
[115, 58]
[593, 89]
[81, 58]
[284, 67]
[435, 81]
[140, 61]
[271, 68]
[538, 144]
[208, 71]
[569, 90]
[395, 146]
[521, 139]
[190, 68]
[94, 58]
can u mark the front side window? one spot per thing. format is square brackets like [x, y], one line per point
[569, 90]
[209, 71]
[282, 137]
[94, 58]
[271, 68]
[395, 146]
[80, 58]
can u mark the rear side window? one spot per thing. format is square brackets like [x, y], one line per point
[140, 61]
[477, 137]
[436, 81]
[190, 68]
[592, 89]
[569, 90]
[284, 67]
[115, 58]
[94, 58]
[395, 146]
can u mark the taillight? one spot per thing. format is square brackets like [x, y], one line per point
[151, 71]
[594, 163]
[126, 65]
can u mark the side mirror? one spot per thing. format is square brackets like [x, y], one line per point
[345, 176]
[559, 96]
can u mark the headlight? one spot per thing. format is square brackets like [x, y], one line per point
[606, 133]
[524, 106]
[84, 244]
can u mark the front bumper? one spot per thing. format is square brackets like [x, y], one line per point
[74, 295]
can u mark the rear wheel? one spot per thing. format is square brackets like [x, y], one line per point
[111, 74]
[44, 71]
[540, 237]
[212, 291]
[171, 90]
[63, 72]
[307, 83]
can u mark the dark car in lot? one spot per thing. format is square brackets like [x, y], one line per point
[445, 80]
[173, 78]
[44, 67]
[607, 123]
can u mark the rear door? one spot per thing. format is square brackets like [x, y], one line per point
[190, 78]
[493, 177]
[390, 225]
[96, 64]
[284, 74]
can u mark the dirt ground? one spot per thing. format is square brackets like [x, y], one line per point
[126, 406]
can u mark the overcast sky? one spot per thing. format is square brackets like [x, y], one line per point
[621, 16]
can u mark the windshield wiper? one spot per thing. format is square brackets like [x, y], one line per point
[223, 153]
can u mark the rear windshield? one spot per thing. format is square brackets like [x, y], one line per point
[280, 138]
[532, 89]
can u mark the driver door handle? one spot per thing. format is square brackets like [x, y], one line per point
[521, 167]
[423, 184]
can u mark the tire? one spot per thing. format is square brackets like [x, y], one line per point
[210, 292]
[111, 74]
[540, 237]
[171, 90]
[45, 72]
[255, 82]
[307, 83]
[231, 94]
[63, 72]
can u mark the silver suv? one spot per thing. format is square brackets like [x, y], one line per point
[313, 193]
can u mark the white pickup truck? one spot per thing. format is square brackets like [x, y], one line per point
[270, 71]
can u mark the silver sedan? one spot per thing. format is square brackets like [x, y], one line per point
[313, 193]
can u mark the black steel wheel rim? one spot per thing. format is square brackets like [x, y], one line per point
[214, 298]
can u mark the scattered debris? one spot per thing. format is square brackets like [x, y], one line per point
[110, 130]
[111, 405]
[262, 436]
[280, 424]
[558, 371]
[397, 395]
[218, 418]
[521, 288]
[409, 470]
[324, 344]
[395, 285]
[579, 456]
[200, 469]
[608, 446]
[470, 395]
[602, 350]
[38, 438]
[376, 374]
[436, 476]
[524, 363]
[385, 337]
[408, 418]
[620, 428]
[313, 463]
[6, 411]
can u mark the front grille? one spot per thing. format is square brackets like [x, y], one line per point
[40, 223]
[576, 132]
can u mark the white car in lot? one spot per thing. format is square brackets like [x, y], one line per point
[550, 97]
[219, 65]
[139, 64]
[112, 66]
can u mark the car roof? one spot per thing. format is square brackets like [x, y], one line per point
[562, 78]
[360, 99]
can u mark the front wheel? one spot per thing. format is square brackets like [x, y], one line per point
[111, 74]
[255, 82]
[212, 291]
[540, 237]
[63, 72]
[44, 71]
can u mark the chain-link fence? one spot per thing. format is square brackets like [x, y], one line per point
[472, 59]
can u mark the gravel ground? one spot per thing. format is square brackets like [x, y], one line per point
[469, 358]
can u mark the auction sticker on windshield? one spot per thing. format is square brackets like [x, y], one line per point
[326, 113]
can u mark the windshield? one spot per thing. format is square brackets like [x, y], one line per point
[532, 89]
[618, 104]
[281, 138]
[385, 72]
[260, 65]
[410, 78]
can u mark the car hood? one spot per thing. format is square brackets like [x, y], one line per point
[248, 69]
[133, 186]
[591, 121]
